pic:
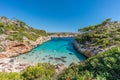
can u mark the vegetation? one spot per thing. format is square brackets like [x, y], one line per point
[95, 27]
[1, 50]
[104, 66]
[102, 35]
[62, 33]
[39, 72]
[17, 29]
[10, 76]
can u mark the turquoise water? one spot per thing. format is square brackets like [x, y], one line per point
[55, 51]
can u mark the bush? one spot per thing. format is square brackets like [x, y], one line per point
[13, 37]
[22, 29]
[40, 71]
[104, 66]
[10, 76]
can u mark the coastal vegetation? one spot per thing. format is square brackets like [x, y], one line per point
[104, 66]
[10, 76]
[17, 37]
[99, 34]
[38, 72]
[102, 40]
[62, 33]
[100, 37]
[16, 30]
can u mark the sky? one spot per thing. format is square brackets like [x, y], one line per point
[60, 15]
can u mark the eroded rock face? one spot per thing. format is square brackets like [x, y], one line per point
[84, 51]
[14, 48]
[3, 56]
[91, 51]
[18, 48]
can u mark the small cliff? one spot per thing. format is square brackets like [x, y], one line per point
[96, 39]
[16, 37]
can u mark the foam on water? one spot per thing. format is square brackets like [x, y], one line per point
[57, 50]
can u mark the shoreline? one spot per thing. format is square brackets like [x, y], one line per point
[77, 47]
[7, 64]
[18, 48]
[42, 41]
[90, 52]
[12, 65]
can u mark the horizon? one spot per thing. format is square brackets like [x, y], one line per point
[60, 15]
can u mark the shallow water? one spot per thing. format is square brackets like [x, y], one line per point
[57, 50]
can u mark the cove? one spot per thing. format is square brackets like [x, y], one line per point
[54, 51]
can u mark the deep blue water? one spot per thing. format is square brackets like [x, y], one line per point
[57, 50]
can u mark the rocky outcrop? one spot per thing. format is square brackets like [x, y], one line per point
[59, 68]
[16, 37]
[85, 52]
[91, 51]
[14, 48]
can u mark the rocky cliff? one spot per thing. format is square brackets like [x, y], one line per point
[96, 39]
[16, 37]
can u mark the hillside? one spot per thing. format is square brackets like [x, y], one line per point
[101, 43]
[104, 66]
[17, 37]
[98, 38]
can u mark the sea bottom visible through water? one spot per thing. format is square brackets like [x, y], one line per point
[54, 51]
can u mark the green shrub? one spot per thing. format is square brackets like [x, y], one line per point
[10, 76]
[40, 71]
[104, 66]
[22, 29]
[13, 37]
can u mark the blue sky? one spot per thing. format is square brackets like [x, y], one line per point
[60, 15]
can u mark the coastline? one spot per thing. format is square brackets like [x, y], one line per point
[15, 48]
[90, 52]
[82, 51]
[18, 48]
[6, 61]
